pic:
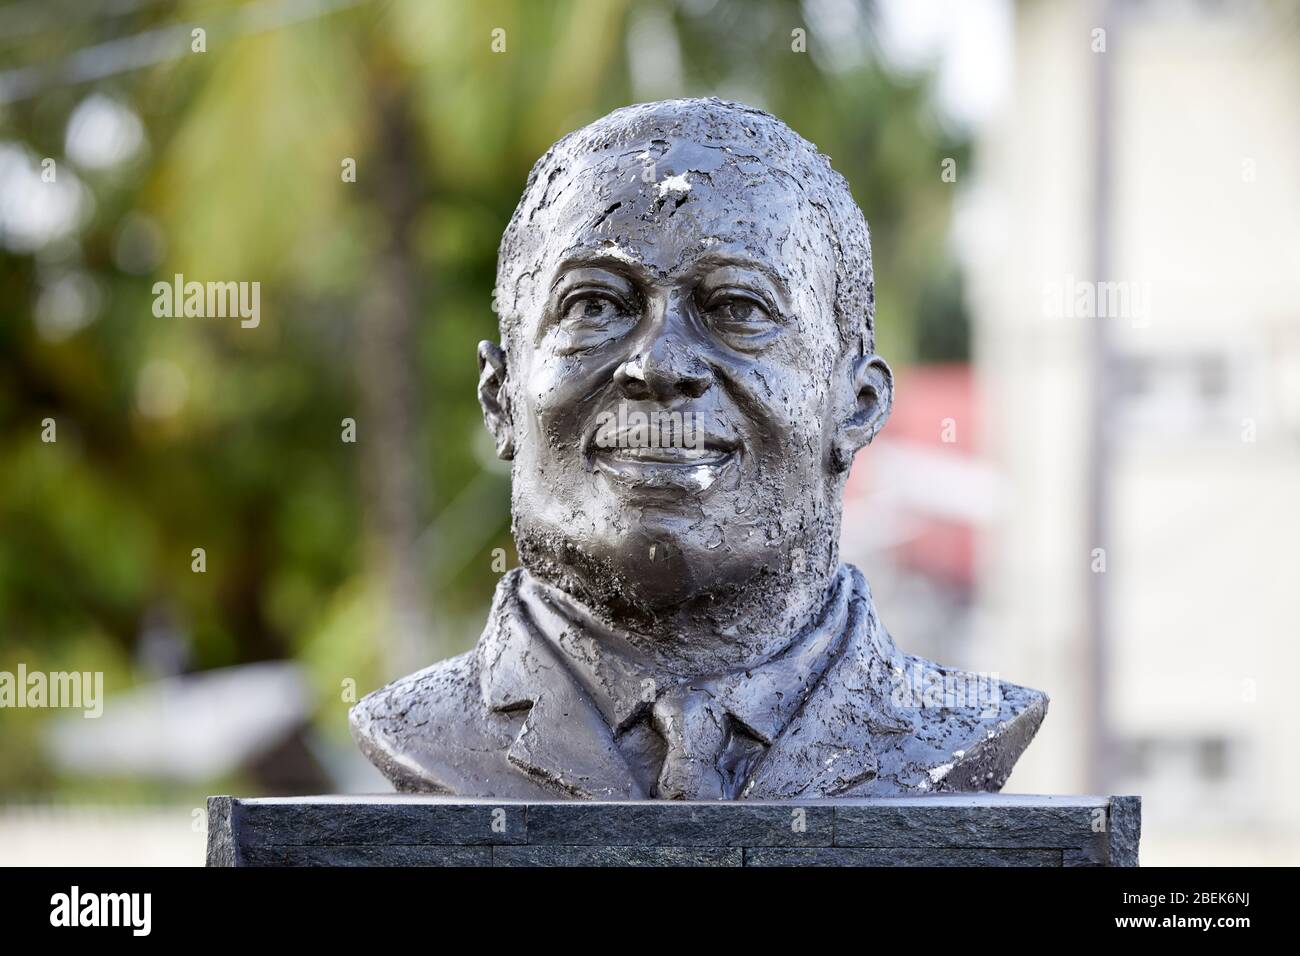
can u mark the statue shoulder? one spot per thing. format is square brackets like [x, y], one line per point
[423, 730]
[887, 723]
[434, 732]
[968, 728]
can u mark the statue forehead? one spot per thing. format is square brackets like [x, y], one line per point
[663, 193]
[661, 183]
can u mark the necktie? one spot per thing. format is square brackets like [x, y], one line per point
[695, 731]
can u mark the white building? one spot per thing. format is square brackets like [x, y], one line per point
[1202, 489]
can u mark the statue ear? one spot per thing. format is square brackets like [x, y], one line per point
[873, 388]
[495, 400]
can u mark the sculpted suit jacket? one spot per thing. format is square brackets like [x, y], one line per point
[512, 719]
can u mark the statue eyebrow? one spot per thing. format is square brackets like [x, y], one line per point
[722, 260]
[634, 272]
[619, 266]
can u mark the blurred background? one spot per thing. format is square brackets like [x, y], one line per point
[1086, 226]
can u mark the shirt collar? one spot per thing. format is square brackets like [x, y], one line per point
[623, 684]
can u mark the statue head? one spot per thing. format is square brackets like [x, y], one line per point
[687, 365]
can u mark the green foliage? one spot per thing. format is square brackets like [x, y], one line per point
[241, 177]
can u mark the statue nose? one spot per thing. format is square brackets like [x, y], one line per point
[667, 370]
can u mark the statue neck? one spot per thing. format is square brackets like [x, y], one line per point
[713, 634]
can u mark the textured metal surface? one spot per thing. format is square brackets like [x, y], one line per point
[941, 830]
[682, 626]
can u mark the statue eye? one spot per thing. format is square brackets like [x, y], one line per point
[741, 319]
[590, 310]
[591, 317]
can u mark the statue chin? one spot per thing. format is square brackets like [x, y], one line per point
[640, 574]
[661, 572]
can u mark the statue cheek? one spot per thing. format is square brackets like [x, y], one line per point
[554, 386]
[791, 400]
[556, 419]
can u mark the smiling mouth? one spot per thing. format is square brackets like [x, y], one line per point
[671, 468]
[688, 457]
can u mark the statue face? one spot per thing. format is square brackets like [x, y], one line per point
[681, 407]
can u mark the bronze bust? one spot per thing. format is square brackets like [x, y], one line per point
[686, 371]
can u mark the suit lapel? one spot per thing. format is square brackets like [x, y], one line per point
[826, 748]
[564, 740]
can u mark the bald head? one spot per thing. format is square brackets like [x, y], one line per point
[643, 164]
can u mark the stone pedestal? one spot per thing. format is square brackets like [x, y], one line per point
[940, 830]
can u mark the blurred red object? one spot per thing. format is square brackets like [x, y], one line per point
[926, 469]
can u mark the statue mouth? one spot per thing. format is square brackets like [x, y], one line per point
[675, 469]
[668, 456]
